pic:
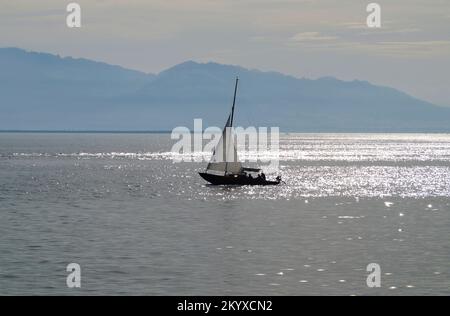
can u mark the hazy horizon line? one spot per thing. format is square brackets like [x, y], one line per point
[169, 132]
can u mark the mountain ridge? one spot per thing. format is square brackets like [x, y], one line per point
[49, 92]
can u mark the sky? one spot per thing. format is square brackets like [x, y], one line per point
[303, 38]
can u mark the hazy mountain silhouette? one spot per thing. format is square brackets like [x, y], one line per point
[44, 91]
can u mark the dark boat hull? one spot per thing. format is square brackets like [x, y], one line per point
[235, 180]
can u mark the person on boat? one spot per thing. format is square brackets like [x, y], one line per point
[263, 176]
[279, 178]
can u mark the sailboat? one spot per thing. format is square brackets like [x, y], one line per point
[225, 167]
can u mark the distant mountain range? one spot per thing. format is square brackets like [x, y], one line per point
[41, 91]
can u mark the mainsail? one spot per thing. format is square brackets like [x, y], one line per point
[225, 159]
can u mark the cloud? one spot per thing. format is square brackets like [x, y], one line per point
[311, 37]
[413, 48]
[396, 49]
[354, 25]
[388, 31]
[384, 46]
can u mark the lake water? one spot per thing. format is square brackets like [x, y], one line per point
[138, 223]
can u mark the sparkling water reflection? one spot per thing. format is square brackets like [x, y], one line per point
[140, 224]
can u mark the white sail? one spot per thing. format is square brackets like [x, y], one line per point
[225, 159]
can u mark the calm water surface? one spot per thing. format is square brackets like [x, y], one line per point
[139, 224]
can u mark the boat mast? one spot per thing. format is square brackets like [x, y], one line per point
[232, 117]
[234, 101]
